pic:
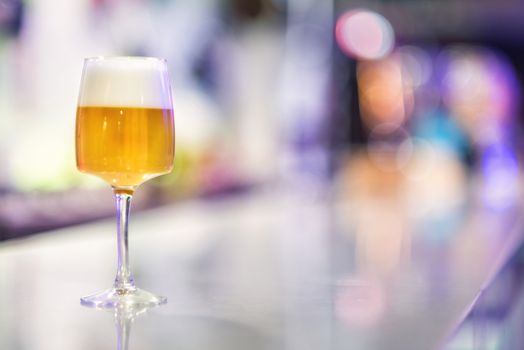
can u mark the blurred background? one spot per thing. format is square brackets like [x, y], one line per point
[411, 99]
[369, 154]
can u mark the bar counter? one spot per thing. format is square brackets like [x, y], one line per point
[276, 268]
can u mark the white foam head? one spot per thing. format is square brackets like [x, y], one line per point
[125, 82]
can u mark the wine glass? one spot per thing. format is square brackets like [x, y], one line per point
[125, 136]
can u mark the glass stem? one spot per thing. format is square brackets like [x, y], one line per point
[124, 280]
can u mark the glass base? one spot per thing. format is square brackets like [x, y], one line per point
[117, 298]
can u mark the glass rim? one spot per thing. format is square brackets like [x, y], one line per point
[131, 58]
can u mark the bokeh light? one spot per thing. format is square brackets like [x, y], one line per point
[389, 147]
[360, 302]
[416, 65]
[500, 173]
[364, 34]
[383, 96]
[479, 89]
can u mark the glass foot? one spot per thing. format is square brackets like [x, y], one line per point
[113, 298]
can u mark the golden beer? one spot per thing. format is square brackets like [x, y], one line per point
[124, 146]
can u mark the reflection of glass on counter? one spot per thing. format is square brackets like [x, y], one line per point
[124, 317]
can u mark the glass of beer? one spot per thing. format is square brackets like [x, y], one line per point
[125, 136]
